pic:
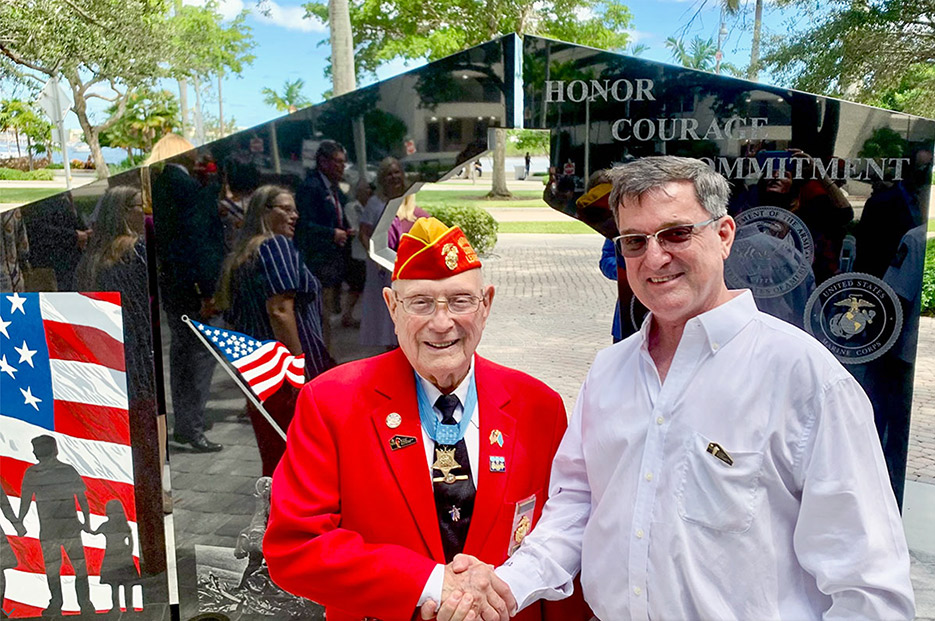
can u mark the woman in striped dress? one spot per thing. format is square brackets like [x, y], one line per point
[269, 294]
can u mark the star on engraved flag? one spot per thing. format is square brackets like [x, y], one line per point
[63, 374]
[264, 365]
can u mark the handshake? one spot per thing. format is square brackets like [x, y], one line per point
[471, 592]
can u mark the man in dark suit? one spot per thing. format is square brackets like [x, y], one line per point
[322, 232]
[379, 489]
[190, 245]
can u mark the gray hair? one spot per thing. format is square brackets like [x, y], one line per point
[644, 175]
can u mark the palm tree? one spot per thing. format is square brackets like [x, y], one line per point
[291, 99]
[699, 54]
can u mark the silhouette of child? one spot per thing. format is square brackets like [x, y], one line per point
[117, 568]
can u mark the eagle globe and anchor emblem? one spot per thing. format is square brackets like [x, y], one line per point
[858, 317]
[854, 319]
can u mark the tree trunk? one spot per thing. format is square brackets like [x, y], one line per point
[183, 105]
[29, 150]
[754, 70]
[90, 136]
[498, 187]
[16, 138]
[199, 122]
[220, 107]
[342, 48]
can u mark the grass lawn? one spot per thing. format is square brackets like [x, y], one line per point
[931, 225]
[26, 195]
[564, 228]
[522, 198]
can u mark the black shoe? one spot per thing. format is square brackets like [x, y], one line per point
[199, 443]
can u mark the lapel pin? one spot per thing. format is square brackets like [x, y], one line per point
[497, 463]
[397, 442]
[393, 420]
[496, 437]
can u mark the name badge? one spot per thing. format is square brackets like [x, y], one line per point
[522, 522]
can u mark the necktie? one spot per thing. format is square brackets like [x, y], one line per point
[454, 500]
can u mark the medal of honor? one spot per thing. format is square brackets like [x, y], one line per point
[445, 462]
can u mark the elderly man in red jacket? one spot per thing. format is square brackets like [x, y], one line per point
[397, 463]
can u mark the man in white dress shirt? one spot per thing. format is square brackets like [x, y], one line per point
[720, 463]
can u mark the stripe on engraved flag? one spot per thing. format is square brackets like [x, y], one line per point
[91, 458]
[83, 382]
[83, 344]
[92, 422]
[35, 588]
[82, 310]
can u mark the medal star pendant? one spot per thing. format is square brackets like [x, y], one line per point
[445, 462]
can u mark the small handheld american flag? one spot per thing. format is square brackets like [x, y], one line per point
[264, 365]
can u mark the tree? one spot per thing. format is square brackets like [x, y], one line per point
[860, 49]
[103, 49]
[204, 46]
[22, 118]
[700, 54]
[291, 99]
[150, 115]
[414, 29]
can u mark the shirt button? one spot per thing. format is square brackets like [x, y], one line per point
[637, 591]
[714, 346]
[639, 533]
[649, 476]
[660, 420]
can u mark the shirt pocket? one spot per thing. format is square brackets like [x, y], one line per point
[716, 494]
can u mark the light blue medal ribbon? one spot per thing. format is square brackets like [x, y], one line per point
[440, 433]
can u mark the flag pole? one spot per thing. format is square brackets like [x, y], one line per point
[234, 376]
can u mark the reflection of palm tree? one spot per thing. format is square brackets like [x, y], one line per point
[698, 54]
[291, 99]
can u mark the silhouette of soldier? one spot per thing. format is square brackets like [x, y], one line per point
[55, 486]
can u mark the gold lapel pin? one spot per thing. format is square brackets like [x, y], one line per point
[393, 420]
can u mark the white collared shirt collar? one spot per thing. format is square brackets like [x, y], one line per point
[433, 393]
[720, 324]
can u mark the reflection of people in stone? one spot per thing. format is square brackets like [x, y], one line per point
[269, 293]
[322, 232]
[56, 486]
[886, 217]
[250, 540]
[14, 250]
[190, 247]
[376, 325]
[57, 237]
[118, 569]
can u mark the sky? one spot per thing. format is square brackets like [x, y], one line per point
[289, 47]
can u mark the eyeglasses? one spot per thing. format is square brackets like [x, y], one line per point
[458, 304]
[670, 238]
[290, 209]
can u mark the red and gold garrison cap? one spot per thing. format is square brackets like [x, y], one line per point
[432, 251]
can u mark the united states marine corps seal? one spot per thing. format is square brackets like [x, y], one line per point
[450, 252]
[856, 316]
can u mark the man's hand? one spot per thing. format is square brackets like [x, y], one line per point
[471, 591]
[340, 237]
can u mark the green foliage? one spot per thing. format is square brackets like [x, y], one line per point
[149, 115]
[414, 29]
[884, 142]
[700, 54]
[876, 51]
[928, 280]
[21, 117]
[11, 174]
[479, 226]
[204, 45]
[535, 141]
[291, 99]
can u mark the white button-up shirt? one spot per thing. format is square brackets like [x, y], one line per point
[749, 485]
